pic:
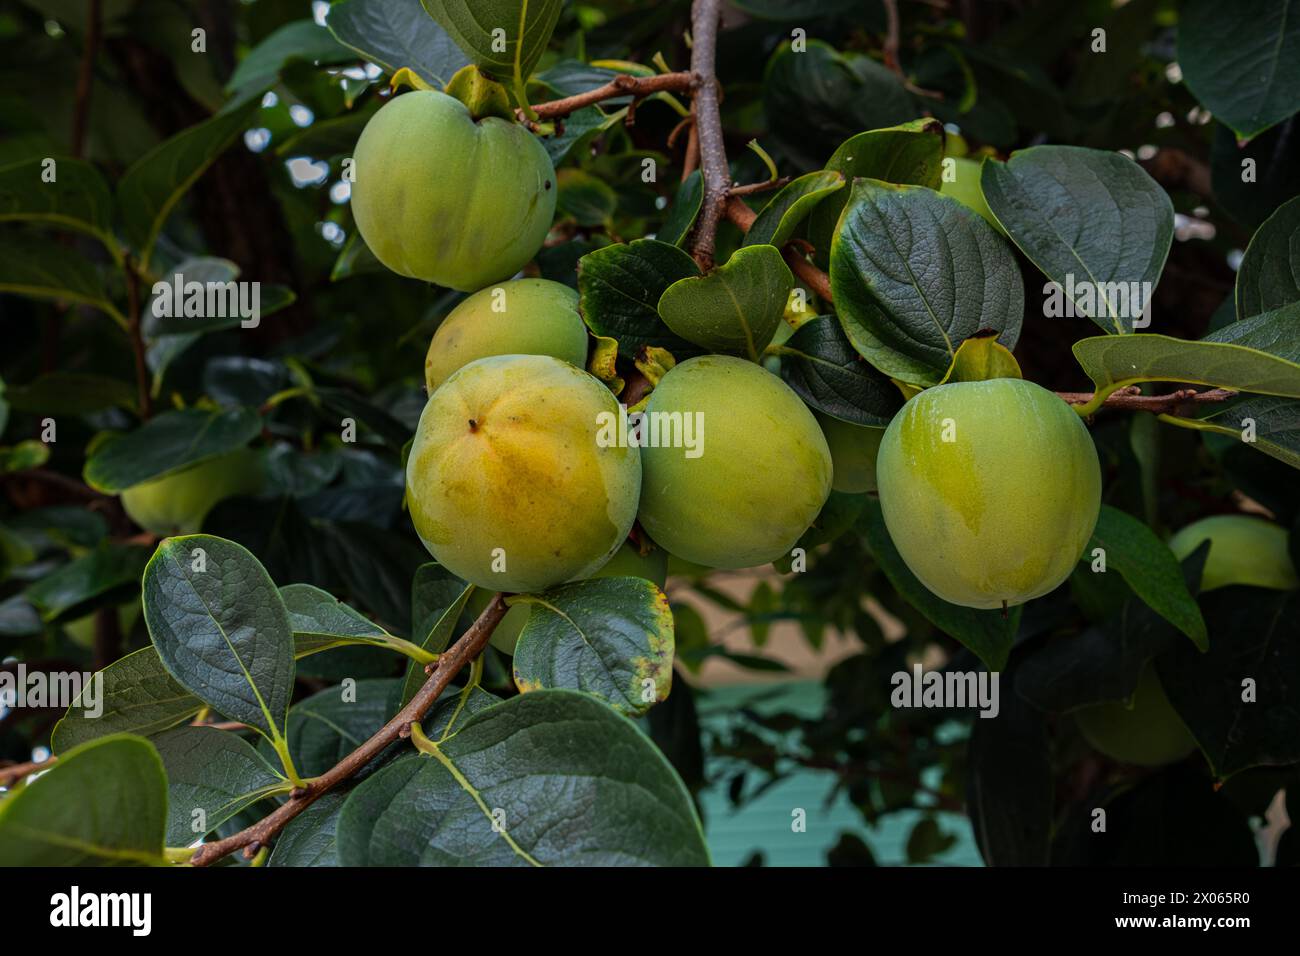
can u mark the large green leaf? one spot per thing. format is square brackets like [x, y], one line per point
[548, 778]
[103, 804]
[620, 287]
[148, 191]
[221, 630]
[611, 637]
[1090, 220]
[42, 268]
[1150, 569]
[168, 443]
[822, 367]
[135, 695]
[1242, 60]
[1269, 276]
[77, 199]
[910, 154]
[987, 634]
[914, 274]
[211, 776]
[779, 219]
[1256, 638]
[1259, 354]
[397, 34]
[735, 308]
[488, 31]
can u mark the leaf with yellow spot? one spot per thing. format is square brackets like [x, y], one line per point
[612, 637]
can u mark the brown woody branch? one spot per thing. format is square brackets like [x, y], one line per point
[15, 772]
[1132, 398]
[705, 15]
[621, 85]
[253, 838]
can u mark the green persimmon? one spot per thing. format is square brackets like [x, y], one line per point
[990, 490]
[178, 503]
[627, 562]
[522, 317]
[965, 188]
[1147, 731]
[441, 197]
[1243, 550]
[853, 453]
[756, 480]
[508, 483]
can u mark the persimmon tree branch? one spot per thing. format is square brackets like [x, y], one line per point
[621, 85]
[716, 174]
[253, 838]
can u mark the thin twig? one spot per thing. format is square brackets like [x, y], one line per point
[621, 85]
[705, 15]
[751, 188]
[15, 772]
[253, 838]
[85, 79]
[143, 394]
[1132, 398]
[691, 161]
[743, 217]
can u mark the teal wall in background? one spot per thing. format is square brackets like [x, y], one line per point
[764, 823]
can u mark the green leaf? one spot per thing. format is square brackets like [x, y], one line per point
[987, 634]
[1276, 425]
[611, 637]
[300, 40]
[1238, 356]
[1269, 276]
[99, 572]
[72, 393]
[148, 191]
[1089, 220]
[133, 695]
[472, 24]
[1257, 637]
[910, 154]
[330, 724]
[914, 274]
[621, 804]
[78, 199]
[677, 225]
[816, 98]
[1150, 569]
[308, 840]
[221, 629]
[619, 289]
[321, 621]
[438, 598]
[1255, 82]
[824, 370]
[213, 771]
[169, 443]
[735, 308]
[103, 804]
[397, 34]
[779, 219]
[355, 259]
[42, 268]
[589, 200]
[30, 453]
